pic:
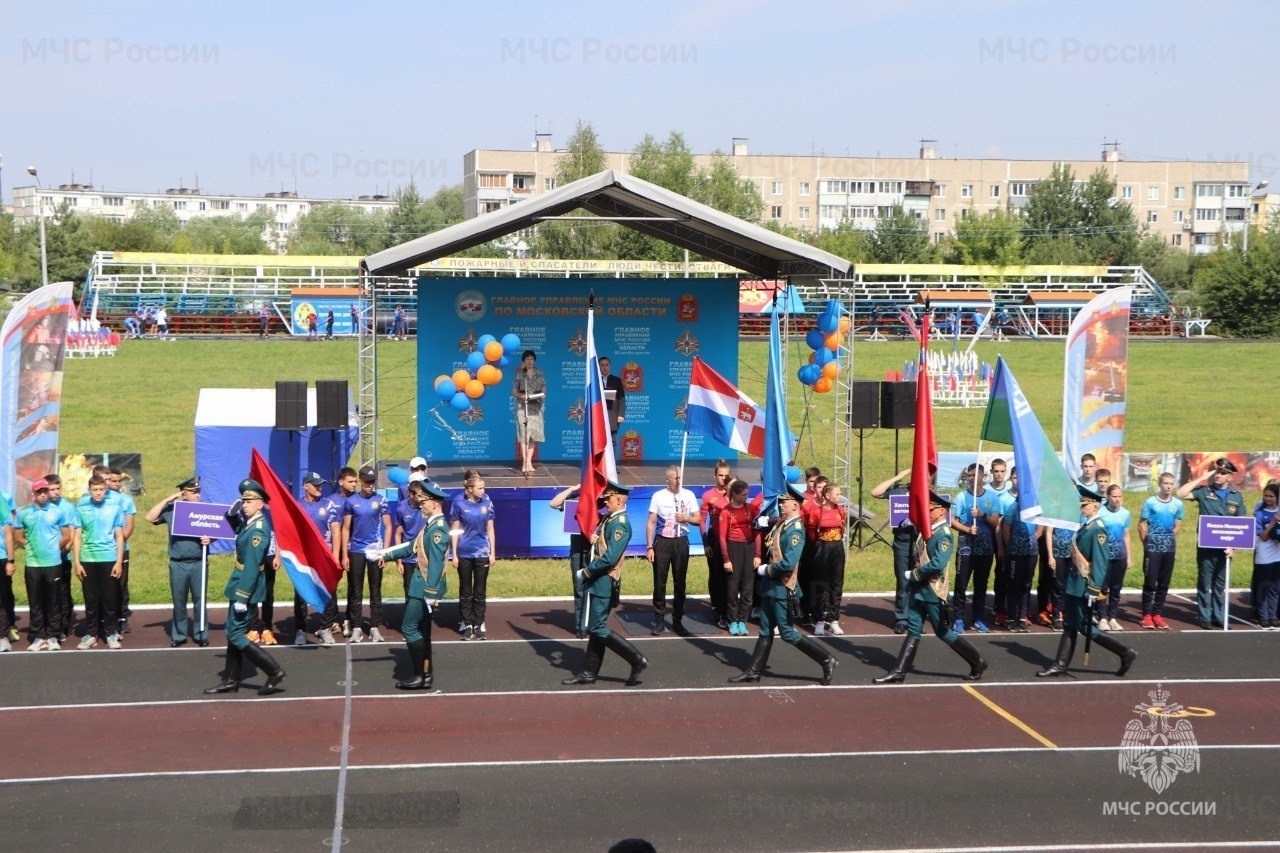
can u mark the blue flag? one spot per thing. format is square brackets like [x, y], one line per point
[777, 444]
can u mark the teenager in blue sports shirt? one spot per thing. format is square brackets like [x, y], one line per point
[366, 526]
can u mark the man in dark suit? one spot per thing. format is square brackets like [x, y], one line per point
[617, 407]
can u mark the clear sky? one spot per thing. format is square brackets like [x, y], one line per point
[344, 99]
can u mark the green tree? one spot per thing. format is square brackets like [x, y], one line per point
[901, 238]
[224, 235]
[668, 164]
[577, 239]
[1066, 222]
[720, 186]
[1241, 293]
[995, 237]
[335, 228]
[1170, 267]
[846, 241]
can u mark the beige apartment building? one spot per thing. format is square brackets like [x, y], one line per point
[1186, 203]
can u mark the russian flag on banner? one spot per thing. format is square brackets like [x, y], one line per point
[302, 550]
[718, 409]
[598, 465]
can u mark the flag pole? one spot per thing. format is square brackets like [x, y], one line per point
[684, 445]
[204, 589]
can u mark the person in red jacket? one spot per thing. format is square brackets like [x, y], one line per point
[829, 520]
[713, 501]
[739, 541]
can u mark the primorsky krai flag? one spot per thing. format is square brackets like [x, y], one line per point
[924, 454]
[777, 437]
[301, 549]
[718, 409]
[1046, 493]
[598, 466]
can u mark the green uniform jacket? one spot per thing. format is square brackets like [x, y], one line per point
[938, 548]
[787, 541]
[247, 584]
[430, 545]
[612, 536]
[1206, 497]
[1091, 539]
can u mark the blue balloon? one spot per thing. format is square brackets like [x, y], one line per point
[460, 401]
[794, 474]
[511, 342]
[814, 338]
[475, 361]
[809, 374]
[822, 356]
[504, 361]
[398, 475]
[446, 389]
[484, 341]
[828, 323]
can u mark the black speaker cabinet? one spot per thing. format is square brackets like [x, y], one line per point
[331, 404]
[864, 404]
[897, 405]
[291, 405]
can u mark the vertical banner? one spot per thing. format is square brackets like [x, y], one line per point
[32, 344]
[1095, 380]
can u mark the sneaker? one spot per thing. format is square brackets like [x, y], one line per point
[1044, 618]
[1148, 622]
[980, 627]
[13, 635]
[479, 633]
[87, 642]
[268, 638]
[326, 636]
[254, 636]
[5, 645]
[819, 629]
[1001, 623]
[113, 641]
[346, 628]
[375, 636]
[463, 627]
[1160, 623]
[1057, 624]
[52, 645]
[958, 627]
[300, 638]
[1115, 624]
[357, 635]
[834, 628]
[36, 646]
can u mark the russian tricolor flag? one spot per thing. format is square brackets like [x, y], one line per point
[301, 548]
[718, 409]
[598, 466]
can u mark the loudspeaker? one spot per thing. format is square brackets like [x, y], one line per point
[864, 404]
[291, 405]
[897, 405]
[331, 404]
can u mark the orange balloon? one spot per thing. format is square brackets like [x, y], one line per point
[493, 351]
[845, 322]
[442, 377]
[832, 341]
[460, 378]
[831, 370]
[489, 375]
[812, 356]
[823, 385]
[474, 389]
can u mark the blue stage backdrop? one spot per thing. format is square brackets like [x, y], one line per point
[650, 328]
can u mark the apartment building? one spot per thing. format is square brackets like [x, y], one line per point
[1186, 203]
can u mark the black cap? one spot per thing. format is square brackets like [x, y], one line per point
[1087, 494]
[312, 478]
[251, 488]
[191, 484]
[936, 499]
[368, 474]
[1223, 465]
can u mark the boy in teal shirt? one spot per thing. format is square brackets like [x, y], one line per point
[97, 552]
[43, 532]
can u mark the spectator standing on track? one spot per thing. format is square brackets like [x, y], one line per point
[427, 582]
[671, 511]
[714, 500]
[829, 519]
[43, 533]
[927, 593]
[1266, 555]
[347, 485]
[1158, 528]
[246, 587]
[97, 549]
[355, 319]
[602, 581]
[313, 326]
[474, 551]
[366, 525]
[67, 606]
[186, 556]
[1083, 587]
[400, 324]
[977, 549]
[7, 568]
[783, 547]
[1119, 524]
[740, 546]
[1214, 495]
[1021, 550]
[162, 322]
[129, 508]
[904, 537]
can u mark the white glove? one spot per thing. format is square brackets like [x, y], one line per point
[374, 555]
[240, 607]
[580, 576]
[906, 576]
[432, 604]
[761, 569]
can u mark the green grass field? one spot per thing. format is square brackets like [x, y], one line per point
[1182, 396]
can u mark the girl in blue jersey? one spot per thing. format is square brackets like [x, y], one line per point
[1118, 521]
[1266, 556]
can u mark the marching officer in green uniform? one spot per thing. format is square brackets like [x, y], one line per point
[427, 583]
[783, 545]
[927, 597]
[246, 587]
[1214, 495]
[601, 583]
[1083, 587]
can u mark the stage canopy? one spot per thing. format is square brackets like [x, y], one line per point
[633, 203]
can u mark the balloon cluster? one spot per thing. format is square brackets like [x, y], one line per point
[484, 368]
[825, 339]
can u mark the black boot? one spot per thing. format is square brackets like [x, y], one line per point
[417, 657]
[815, 651]
[265, 662]
[759, 657]
[977, 665]
[906, 657]
[630, 654]
[1111, 644]
[591, 666]
[1066, 650]
[230, 680]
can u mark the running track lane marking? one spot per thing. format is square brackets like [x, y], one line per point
[342, 761]
[1010, 717]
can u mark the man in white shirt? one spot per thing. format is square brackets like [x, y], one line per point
[671, 511]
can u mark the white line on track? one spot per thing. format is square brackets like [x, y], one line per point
[571, 762]
[1132, 845]
[1059, 684]
[339, 807]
